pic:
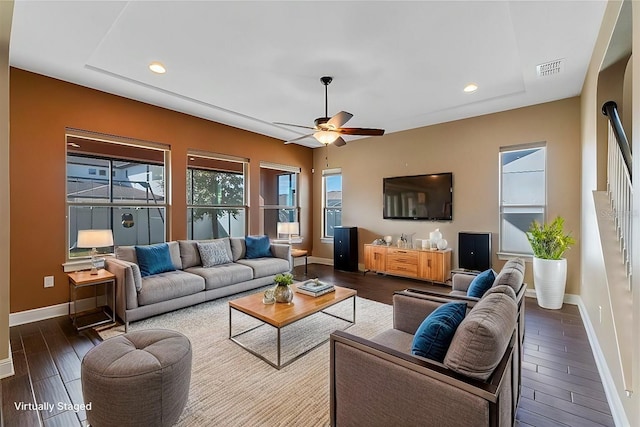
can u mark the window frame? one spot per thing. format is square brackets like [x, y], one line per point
[79, 262]
[504, 254]
[281, 170]
[245, 197]
[325, 209]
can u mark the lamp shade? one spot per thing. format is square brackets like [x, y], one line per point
[326, 137]
[94, 238]
[289, 228]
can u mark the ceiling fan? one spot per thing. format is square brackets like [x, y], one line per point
[327, 129]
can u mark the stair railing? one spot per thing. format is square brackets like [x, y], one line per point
[619, 184]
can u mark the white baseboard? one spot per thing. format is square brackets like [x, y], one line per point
[6, 366]
[615, 404]
[51, 311]
[613, 398]
[318, 260]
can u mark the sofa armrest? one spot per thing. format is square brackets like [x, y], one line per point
[461, 281]
[126, 278]
[283, 251]
[373, 384]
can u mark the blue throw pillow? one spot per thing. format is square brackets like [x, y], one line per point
[434, 335]
[258, 247]
[481, 284]
[154, 259]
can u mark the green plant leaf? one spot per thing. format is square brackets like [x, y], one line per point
[548, 241]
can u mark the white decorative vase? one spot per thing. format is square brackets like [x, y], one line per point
[434, 238]
[442, 244]
[550, 279]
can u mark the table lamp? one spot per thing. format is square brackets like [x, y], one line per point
[289, 228]
[94, 239]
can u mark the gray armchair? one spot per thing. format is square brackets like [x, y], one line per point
[512, 274]
[378, 382]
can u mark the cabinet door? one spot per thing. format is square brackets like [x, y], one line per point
[375, 258]
[345, 248]
[424, 265]
[435, 265]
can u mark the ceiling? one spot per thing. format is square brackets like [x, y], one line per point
[396, 65]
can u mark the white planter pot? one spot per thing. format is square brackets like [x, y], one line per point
[550, 279]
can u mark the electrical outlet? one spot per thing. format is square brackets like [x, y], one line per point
[600, 312]
[48, 281]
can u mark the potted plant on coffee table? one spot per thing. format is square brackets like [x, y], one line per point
[549, 243]
[283, 291]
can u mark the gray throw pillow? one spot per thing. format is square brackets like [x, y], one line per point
[483, 336]
[213, 253]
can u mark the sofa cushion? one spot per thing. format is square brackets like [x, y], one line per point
[258, 247]
[213, 253]
[167, 286]
[263, 267]
[481, 283]
[174, 252]
[435, 333]
[154, 259]
[501, 289]
[190, 254]
[128, 253]
[483, 336]
[222, 275]
[512, 274]
[238, 248]
[395, 339]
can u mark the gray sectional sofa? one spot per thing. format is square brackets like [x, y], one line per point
[139, 297]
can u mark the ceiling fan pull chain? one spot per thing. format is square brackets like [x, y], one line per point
[326, 155]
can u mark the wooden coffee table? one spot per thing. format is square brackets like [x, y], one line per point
[279, 315]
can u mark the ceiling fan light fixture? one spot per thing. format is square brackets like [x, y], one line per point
[326, 137]
[470, 88]
[157, 68]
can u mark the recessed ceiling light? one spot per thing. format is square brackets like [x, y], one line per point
[157, 67]
[471, 87]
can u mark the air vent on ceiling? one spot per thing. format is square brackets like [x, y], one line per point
[550, 68]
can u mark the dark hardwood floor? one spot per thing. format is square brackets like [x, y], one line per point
[560, 382]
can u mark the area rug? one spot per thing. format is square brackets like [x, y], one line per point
[232, 387]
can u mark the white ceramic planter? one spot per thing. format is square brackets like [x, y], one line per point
[550, 279]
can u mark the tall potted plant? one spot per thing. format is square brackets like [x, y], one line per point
[549, 243]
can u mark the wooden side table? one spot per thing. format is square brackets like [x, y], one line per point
[98, 315]
[298, 253]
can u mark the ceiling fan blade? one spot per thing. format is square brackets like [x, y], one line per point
[298, 139]
[289, 124]
[339, 119]
[339, 142]
[361, 131]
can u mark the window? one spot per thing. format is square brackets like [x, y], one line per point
[522, 195]
[129, 198]
[331, 200]
[278, 196]
[216, 197]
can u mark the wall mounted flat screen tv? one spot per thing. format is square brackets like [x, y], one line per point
[419, 197]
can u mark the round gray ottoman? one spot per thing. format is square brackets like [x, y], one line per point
[137, 379]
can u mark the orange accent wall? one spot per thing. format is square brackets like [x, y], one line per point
[42, 108]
